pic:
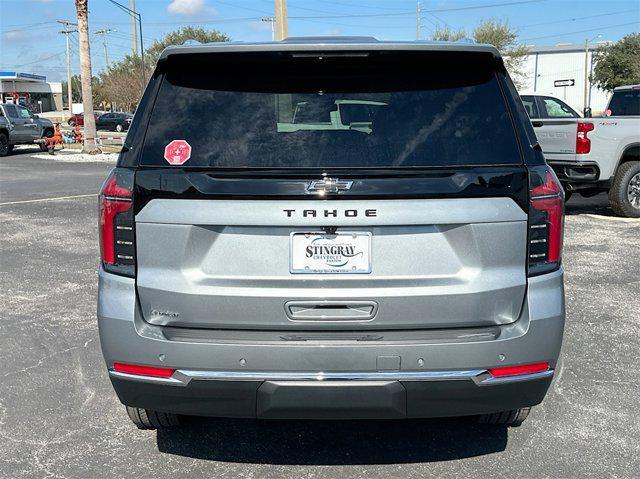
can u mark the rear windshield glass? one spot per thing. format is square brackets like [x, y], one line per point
[625, 103]
[371, 111]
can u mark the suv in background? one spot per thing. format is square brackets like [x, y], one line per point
[592, 155]
[411, 270]
[21, 127]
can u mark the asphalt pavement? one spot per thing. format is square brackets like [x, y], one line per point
[60, 418]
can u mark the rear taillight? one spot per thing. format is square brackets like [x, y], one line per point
[116, 223]
[583, 143]
[546, 220]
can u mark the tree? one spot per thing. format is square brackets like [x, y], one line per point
[90, 145]
[618, 63]
[76, 90]
[124, 82]
[447, 35]
[501, 36]
[182, 35]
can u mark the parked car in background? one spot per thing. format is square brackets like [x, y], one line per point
[592, 155]
[21, 127]
[114, 121]
[331, 272]
[78, 118]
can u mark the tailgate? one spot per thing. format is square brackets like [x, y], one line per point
[433, 263]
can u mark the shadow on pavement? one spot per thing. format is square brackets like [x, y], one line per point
[596, 205]
[331, 442]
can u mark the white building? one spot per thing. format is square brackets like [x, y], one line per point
[560, 71]
[30, 90]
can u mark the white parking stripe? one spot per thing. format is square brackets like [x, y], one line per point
[47, 199]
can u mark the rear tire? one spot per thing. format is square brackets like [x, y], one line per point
[119, 128]
[5, 148]
[624, 194]
[512, 418]
[47, 134]
[148, 419]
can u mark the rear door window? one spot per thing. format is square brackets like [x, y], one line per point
[530, 105]
[554, 108]
[11, 111]
[624, 103]
[387, 112]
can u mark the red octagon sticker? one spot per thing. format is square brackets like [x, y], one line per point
[177, 152]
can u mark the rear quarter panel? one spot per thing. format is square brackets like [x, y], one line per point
[609, 140]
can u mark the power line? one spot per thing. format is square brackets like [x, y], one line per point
[357, 15]
[42, 27]
[353, 5]
[580, 31]
[40, 60]
[489, 5]
[576, 18]
[30, 24]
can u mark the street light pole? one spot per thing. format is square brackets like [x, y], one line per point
[418, 8]
[271, 20]
[133, 13]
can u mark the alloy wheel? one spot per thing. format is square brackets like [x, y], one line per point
[633, 191]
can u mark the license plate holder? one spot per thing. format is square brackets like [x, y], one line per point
[344, 252]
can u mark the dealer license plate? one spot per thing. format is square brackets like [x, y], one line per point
[343, 252]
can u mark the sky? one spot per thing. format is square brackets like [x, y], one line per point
[30, 41]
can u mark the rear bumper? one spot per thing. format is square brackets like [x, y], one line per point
[332, 399]
[580, 174]
[331, 379]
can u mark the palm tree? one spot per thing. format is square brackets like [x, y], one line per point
[90, 145]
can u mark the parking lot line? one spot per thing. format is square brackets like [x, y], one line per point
[47, 199]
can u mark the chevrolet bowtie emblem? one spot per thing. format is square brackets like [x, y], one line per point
[328, 185]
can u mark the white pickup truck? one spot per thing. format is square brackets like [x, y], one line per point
[591, 155]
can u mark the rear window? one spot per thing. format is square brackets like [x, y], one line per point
[373, 110]
[625, 103]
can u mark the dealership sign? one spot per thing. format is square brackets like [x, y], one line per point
[570, 82]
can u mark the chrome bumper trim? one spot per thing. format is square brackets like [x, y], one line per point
[480, 376]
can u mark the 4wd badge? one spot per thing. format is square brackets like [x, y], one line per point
[177, 152]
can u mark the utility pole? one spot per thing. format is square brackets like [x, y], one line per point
[587, 80]
[90, 145]
[134, 35]
[418, 12]
[282, 30]
[66, 32]
[586, 77]
[271, 20]
[104, 32]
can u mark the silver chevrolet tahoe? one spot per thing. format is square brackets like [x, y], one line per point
[406, 266]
